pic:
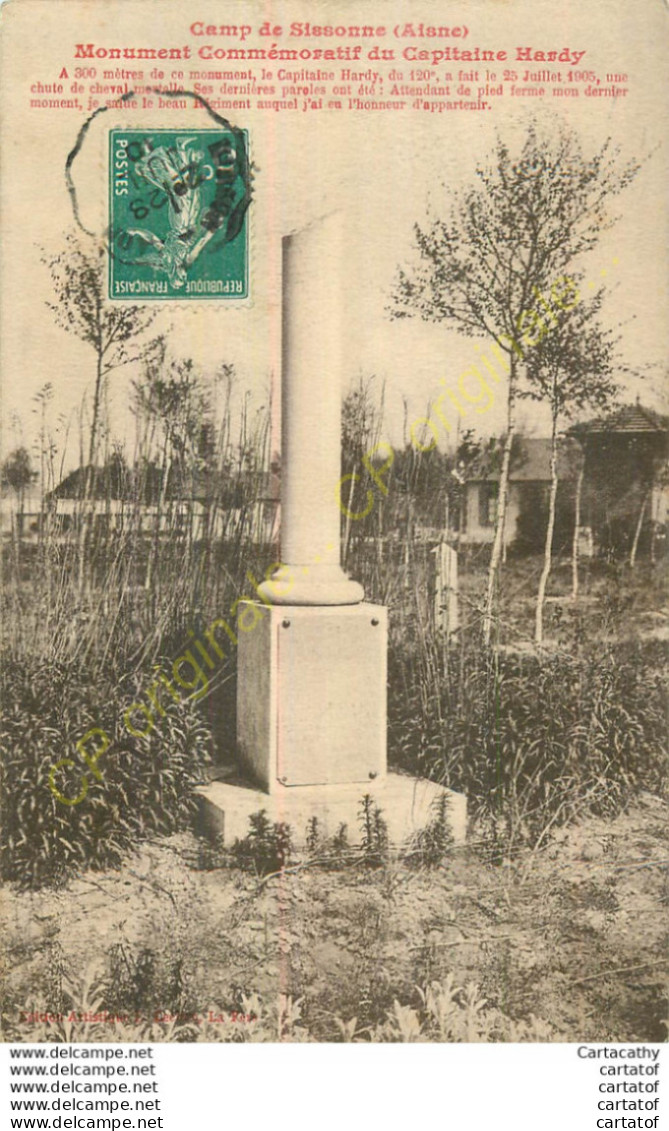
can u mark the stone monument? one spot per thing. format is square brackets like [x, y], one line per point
[311, 699]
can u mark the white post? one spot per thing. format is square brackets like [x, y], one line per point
[446, 589]
[312, 348]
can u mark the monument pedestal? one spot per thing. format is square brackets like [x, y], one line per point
[311, 728]
[311, 698]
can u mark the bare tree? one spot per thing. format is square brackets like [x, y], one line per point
[497, 264]
[79, 277]
[171, 403]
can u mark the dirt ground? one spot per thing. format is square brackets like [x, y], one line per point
[573, 935]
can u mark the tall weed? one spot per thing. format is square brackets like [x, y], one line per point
[532, 741]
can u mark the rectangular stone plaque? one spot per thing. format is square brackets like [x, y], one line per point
[311, 705]
[332, 696]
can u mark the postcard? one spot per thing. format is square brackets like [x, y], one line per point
[334, 525]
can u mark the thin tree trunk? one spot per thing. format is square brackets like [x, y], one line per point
[637, 532]
[550, 529]
[347, 524]
[496, 555]
[89, 476]
[96, 412]
[17, 520]
[577, 531]
[154, 546]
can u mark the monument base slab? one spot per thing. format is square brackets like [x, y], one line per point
[407, 805]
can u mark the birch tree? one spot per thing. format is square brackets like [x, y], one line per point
[572, 369]
[498, 263]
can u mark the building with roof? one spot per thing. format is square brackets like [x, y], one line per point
[625, 481]
[529, 483]
[148, 501]
[615, 468]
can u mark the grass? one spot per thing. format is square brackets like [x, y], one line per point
[138, 787]
[563, 943]
[534, 740]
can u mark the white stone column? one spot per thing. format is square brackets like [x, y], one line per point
[314, 331]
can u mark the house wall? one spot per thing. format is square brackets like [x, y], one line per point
[475, 533]
[259, 522]
[11, 508]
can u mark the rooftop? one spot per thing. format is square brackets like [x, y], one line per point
[631, 419]
[530, 461]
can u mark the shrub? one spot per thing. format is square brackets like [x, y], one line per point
[533, 741]
[434, 844]
[146, 784]
[141, 981]
[447, 1012]
[266, 848]
[374, 832]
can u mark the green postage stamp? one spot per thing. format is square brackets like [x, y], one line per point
[178, 224]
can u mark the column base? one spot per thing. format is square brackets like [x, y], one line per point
[315, 584]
